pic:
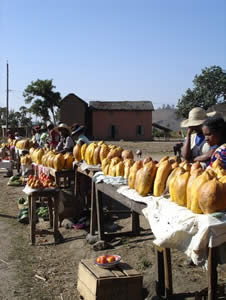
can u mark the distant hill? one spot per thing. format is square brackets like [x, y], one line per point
[166, 117]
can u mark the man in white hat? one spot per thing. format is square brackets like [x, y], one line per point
[195, 147]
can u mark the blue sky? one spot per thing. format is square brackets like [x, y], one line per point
[110, 50]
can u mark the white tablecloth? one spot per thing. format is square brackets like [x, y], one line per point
[177, 227]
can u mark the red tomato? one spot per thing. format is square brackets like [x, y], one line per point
[101, 259]
[110, 258]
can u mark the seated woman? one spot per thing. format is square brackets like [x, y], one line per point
[195, 147]
[66, 143]
[214, 130]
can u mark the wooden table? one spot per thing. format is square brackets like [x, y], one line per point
[90, 203]
[63, 178]
[164, 282]
[52, 196]
[135, 208]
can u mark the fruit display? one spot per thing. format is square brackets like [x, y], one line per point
[24, 144]
[43, 181]
[26, 159]
[107, 261]
[188, 184]
[51, 159]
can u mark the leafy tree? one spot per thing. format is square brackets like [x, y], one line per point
[209, 89]
[43, 98]
[24, 120]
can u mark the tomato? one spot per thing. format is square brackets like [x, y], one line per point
[110, 258]
[101, 259]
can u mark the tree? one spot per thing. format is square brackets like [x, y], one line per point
[24, 120]
[43, 97]
[209, 89]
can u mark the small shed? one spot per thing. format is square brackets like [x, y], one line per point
[166, 130]
[115, 120]
[73, 110]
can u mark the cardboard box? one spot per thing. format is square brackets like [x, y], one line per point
[120, 283]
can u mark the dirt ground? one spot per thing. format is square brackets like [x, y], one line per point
[58, 264]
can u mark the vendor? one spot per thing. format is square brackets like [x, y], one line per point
[78, 134]
[44, 136]
[214, 130]
[36, 135]
[54, 136]
[66, 143]
[195, 147]
[18, 137]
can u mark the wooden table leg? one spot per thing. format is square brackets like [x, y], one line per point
[99, 207]
[33, 219]
[160, 274]
[50, 209]
[168, 273]
[58, 182]
[29, 208]
[93, 216]
[76, 187]
[56, 216]
[135, 223]
[212, 274]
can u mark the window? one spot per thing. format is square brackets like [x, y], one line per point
[140, 130]
[112, 131]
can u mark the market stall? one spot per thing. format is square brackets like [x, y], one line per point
[52, 197]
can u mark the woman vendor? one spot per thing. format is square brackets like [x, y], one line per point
[195, 147]
[214, 130]
[66, 143]
[54, 136]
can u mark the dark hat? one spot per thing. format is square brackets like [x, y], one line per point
[78, 129]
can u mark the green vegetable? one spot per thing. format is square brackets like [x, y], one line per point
[14, 178]
[21, 200]
[42, 212]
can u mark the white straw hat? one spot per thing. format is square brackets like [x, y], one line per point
[65, 126]
[195, 117]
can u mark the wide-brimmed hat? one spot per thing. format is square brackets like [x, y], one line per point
[65, 126]
[78, 129]
[195, 117]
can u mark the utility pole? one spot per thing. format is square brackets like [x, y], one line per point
[7, 94]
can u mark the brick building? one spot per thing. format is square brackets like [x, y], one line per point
[128, 120]
[74, 110]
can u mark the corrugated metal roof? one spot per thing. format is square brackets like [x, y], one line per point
[161, 127]
[121, 105]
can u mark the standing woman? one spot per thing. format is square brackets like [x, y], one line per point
[214, 130]
[66, 143]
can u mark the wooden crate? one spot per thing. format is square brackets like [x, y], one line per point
[120, 283]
